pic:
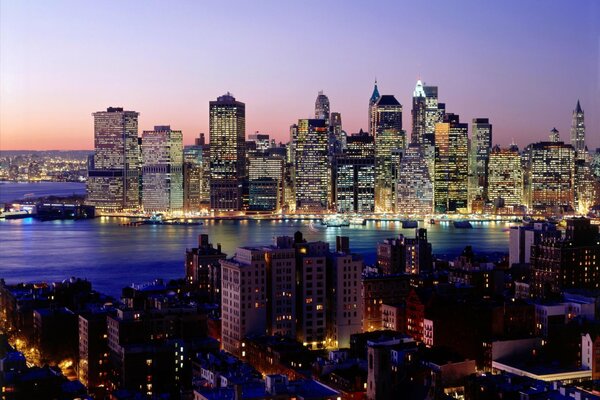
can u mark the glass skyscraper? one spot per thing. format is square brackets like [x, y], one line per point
[227, 153]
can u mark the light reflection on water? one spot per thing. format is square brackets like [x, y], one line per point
[112, 256]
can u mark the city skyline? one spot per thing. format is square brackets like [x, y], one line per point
[530, 92]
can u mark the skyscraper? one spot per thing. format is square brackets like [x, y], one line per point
[388, 133]
[310, 139]
[265, 177]
[505, 176]
[113, 177]
[451, 165]
[162, 170]
[227, 153]
[578, 132]
[196, 175]
[479, 156]
[372, 101]
[419, 107]
[414, 193]
[551, 176]
[322, 108]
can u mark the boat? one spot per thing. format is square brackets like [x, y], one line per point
[409, 224]
[158, 219]
[463, 225]
[357, 221]
[335, 221]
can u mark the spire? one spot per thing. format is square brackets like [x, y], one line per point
[578, 109]
[375, 96]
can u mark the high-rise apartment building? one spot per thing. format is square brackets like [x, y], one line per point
[388, 133]
[311, 172]
[505, 176]
[572, 262]
[202, 268]
[479, 156]
[414, 190]
[227, 153]
[162, 170]
[451, 165]
[243, 298]
[578, 132]
[114, 174]
[551, 176]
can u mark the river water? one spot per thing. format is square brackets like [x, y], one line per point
[112, 256]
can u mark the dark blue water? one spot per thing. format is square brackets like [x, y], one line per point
[112, 256]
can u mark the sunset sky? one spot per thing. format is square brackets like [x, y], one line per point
[523, 64]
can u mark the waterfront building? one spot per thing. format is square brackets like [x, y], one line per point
[578, 132]
[227, 153]
[243, 298]
[202, 268]
[572, 262]
[551, 176]
[196, 175]
[114, 174]
[354, 180]
[265, 180]
[419, 107]
[389, 136]
[479, 157]
[311, 167]
[451, 165]
[414, 187]
[505, 176]
[162, 170]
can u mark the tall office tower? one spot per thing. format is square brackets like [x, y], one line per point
[202, 268]
[354, 183]
[414, 191]
[572, 262]
[505, 176]
[162, 170]
[114, 176]
[419, 108]
[227, 153]
[584, 186]
[281, 291]
[311, 293]
[372, 101]
[344, 305]
[265, 181]
[479, 157]
[196, 175]
[322, 108]
[337, 135]
[554, 136]
[578, 132]
[243, 298]
[311, 165]
[434, 112]
[388, 135]
[551, 176]
[451, 165]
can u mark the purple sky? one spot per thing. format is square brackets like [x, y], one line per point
[523, 64]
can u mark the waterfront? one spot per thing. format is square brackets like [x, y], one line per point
[112, 256]
[10, 191]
